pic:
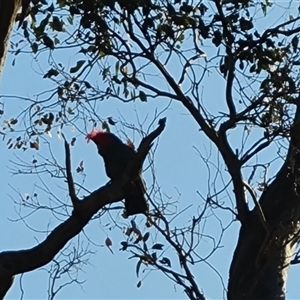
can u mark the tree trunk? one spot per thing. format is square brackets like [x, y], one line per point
[262, 257]
[8, 12]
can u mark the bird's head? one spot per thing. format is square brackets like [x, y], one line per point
[100, 138]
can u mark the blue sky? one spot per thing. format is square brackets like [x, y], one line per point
[180, 172]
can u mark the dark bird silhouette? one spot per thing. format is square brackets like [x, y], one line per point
[117, 156]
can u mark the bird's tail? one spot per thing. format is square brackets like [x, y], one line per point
[135, 201]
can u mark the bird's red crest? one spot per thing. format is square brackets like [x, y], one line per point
[99, 137]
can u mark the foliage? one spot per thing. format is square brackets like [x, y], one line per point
[149, 49]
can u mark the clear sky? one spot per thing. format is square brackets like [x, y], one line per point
[180, 172]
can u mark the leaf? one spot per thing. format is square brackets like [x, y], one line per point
[73, 141]
[145, 247]
[128, 231]
[70, 111]
[70, 20]
[108, 244]
[241, 65]
[105, 126]
[48, 41]
[116, 79]
[50, 73]
[56, 24]
[157, 246]
[61, 3]
[146, 236]
[87, 85]
[56, 41]
[295, 42]
[252, 68]
[217, 40]
[111, 121]
[48, 119]
[154, 256]
[34, 47]
[117, 67]
[165, 261]
[34, 145]
[80, 168]
[245, 24]
[51, 8]
[143, 96]
[133, 224]
[124, 246]
[139, 284]
[79, 64]
[13, 121]
[138, 266]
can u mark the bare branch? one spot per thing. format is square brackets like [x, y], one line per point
[16, 262]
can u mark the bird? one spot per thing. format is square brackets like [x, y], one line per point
[117, 156]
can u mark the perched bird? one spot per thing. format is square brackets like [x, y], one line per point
[117, 156]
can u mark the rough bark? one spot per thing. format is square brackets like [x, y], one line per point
[262, 257]
[8, 12]
[17, 262]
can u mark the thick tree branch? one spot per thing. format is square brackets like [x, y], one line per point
[258, 207]
[16, 262]
[218, 138]
[271, 251]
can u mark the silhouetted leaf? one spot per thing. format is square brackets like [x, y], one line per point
[146, 236]
[105, 126]
[165, 261]
[124, 246]
[295, 42]
[57, 24]
[154, 256]
[79, 64]
[111, 121]
[143, 96]
[138, 266]
[157, 246]
[50, 73]
[48, 41]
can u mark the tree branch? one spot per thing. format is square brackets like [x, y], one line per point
[70, 180]
[8, 12]
[231, 61]
[16, 262]
[257, 204]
